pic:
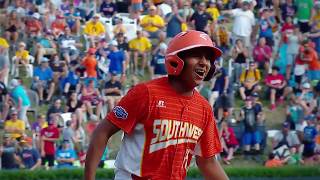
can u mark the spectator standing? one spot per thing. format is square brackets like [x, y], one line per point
[244, 21]
[90, 64]
[68, 134]
[304, 10]
[48, 138]
[36, 127]
[294, 37]
[201, 19]
[251, 136]
[174, 22]
[21, 100]
[309, 135]
[117, 60]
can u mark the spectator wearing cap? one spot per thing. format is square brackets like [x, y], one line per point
[284, 140]
[112, 91]
[239, 53]
[108, 8]
[277, 87]
[4, 102]
[304, 12]
[117, 59]
[252, 137]
[48, 138]
[200, 19]
[14, 126]
[58, 25]
[36, 127]
[21, 59]
[152, 23]
[28, 157]
[46, 46]
[158, 68]
[174, 22]
[69, 45]
[20, 99]
[309, 138]
[8, 152]
[94, 30]
[140, 46]
[90, 64]
[249, 80]
[307, 98]
[43, 80]
[33, 25]
[66, 155]
[244, 21]
[119, 27]
[262, 53]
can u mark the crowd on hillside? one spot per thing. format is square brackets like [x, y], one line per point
[61, 56]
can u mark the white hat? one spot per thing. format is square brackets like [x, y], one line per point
[14, 83]
[163, 46]
[113, 43]
[36, 15]
[306, 85]
[44, 59]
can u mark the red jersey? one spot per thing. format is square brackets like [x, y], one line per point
[163, 129]
[275, 80]
[49, 132]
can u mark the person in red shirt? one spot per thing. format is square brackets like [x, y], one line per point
[33, 25]
[48, 138]
[230, 141]
[277, 87]
[165, 121]
[58, 26]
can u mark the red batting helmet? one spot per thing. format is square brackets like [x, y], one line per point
[185, 41]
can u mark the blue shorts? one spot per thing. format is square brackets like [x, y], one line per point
[251, 138]
[137, 7]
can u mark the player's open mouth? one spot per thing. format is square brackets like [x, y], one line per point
[200, 72]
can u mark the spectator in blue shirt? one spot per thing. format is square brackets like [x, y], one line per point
[65, 156]
[29, 157]
[158, 67]
[117, 59]
[70, 82]
[43, 76]
[309, 135]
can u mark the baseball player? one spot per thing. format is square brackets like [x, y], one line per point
[165, 121]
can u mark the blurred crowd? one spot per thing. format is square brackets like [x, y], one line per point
[64, 64]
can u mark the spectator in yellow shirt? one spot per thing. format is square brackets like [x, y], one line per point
[94, 30]
[21, 58]
[140, 46]
[15, 127]
[152, 23]
[213, 10]
[249, 80]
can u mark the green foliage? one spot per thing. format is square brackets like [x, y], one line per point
[73, 174]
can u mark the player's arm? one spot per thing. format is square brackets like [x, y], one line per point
[210, 168]
[98, 142]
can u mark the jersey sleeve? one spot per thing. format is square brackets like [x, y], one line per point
[209, 144]
[132, 108]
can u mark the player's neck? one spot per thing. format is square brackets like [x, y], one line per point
[180, 87]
